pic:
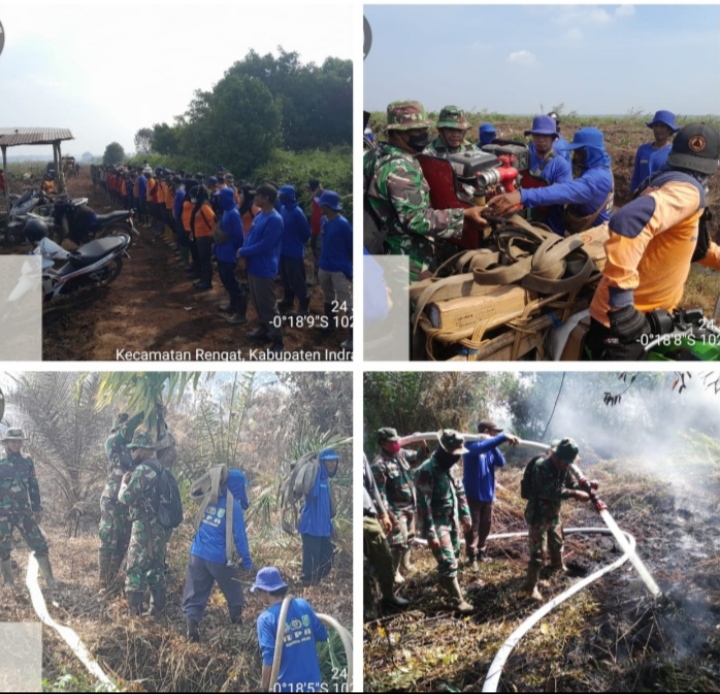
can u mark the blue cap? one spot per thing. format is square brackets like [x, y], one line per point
[487, 128]
[287, 191]
[543, 125]
[666, 118]
[329, 454]
[330, 199]
[587, 137]
[269, 580]
[211, 181]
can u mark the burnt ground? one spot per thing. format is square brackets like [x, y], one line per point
[143, 654]
[151, 306]
[609, 637]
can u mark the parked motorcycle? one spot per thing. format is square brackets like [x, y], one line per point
[73, 219]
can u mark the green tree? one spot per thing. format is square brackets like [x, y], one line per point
[114, 153]
[144, 141]
[165, 139]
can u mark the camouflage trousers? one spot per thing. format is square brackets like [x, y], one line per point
[115, 527]
[447, 556]
[29, 529]
[146, 555]
[547, 531]
[404, 532]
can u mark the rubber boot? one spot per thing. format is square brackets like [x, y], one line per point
[46, 570]
[530, 586]
[397, 557]
[285, 305]
[135, 600]
[452, 586]
[406, 563]
[6, 568]
[193, 632]
[157, 601]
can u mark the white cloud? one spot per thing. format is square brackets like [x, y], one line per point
[522, 57]
[582, 15]
[625, 11]
[574, 34]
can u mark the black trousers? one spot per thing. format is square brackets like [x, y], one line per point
[199, 581]
[596, 349]
[238, 300]
[204, 250]
[292, 271]
[317, 557]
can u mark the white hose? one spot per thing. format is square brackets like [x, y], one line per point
[67, 634]
[328, 621]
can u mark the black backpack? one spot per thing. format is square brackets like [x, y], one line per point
[526, 482]
[169, 503]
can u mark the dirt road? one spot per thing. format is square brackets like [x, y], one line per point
[152, 312]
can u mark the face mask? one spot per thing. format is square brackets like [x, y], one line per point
[419, 142]
[393, 447]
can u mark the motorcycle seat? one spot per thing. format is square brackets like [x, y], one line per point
[95, 250]
[110, 217]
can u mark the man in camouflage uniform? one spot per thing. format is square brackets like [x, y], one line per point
[399, 195]
[442, 508]
[148, 540]
[114, 516]
[20, 507]
[393, 473]
[452, 125]
[551, 483]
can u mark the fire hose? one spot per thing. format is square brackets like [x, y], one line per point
[624, 539]
[345, 638]
[67, 634]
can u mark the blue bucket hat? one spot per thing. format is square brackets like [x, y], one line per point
[269, 580]
[666, 118]
[329, 454]
[543, 125]
[588, 137]
[330, 199]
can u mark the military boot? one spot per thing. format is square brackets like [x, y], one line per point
[397, 557]
[530, 586]
[193, 632]
[157, 601]
[6, 568]
[303, 309]
[452, 587]
[135, 600]
[105, 570]
[472, 563]
[46, 570]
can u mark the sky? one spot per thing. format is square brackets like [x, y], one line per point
[525, 59]
[105, 70]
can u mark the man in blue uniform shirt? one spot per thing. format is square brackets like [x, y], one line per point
[664, 127]
[315, 525]
[296, 232]
[479, 482]
[299, 664]
[210, 555]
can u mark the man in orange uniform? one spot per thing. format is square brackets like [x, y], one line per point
[202, 222]
[653, 240]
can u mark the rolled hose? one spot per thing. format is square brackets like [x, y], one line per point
[492, 678]
[328, 621]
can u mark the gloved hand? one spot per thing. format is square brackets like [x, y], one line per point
[628, 324]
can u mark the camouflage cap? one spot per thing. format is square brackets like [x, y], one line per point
[406, 115]
[566, 449]
[452, 117]
[387, 434]
[141, 440]
[14, 435]
[452, 442]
